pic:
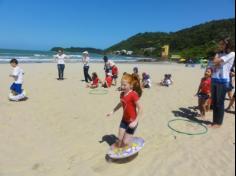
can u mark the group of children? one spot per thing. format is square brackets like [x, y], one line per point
[131, 91]
[111, 76]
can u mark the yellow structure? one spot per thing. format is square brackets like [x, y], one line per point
[165, 51]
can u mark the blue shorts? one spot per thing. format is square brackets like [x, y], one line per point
[16, 88]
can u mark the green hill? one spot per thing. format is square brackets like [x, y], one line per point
[196, 41]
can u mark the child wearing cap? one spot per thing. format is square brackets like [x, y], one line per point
[108, 81]
[114, 72]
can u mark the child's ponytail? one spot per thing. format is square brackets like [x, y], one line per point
[136, 85]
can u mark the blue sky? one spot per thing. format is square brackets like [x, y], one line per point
[42, 24]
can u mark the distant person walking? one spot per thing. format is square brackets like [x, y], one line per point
[60, 59]
[85, 60]
[222, 65]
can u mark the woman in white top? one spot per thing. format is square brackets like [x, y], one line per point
[85, 60]
[60, 59]
[222, 65]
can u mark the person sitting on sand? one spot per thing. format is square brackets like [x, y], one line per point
[108, 81]
[132, 109]
[204, 93]
[146, 81]
[17, 74]
[167, 81]
[95, 81]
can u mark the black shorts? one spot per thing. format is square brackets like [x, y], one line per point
[125, 125]
[203, 96]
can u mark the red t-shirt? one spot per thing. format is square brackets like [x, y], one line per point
[114, 70]
[205, 85]
[129, 106]
[109, 81]
[95, 82]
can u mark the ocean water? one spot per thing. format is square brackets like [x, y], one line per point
[31, 56]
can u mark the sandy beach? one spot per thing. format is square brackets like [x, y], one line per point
[58, 131]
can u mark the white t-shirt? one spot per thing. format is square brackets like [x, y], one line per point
[148, 82]
[18, 73]
[60, 58]
[85, 60]
[221, 73]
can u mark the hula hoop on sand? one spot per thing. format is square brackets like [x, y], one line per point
[204, 129]
[98, 92]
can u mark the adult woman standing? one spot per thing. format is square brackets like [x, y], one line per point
[223, 63]
[60, 59]
[85, 60]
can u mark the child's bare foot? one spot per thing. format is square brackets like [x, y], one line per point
[210, 125]
[214, 126]
[203, 117]
[113, 146]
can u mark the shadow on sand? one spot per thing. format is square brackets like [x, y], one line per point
[190, 115]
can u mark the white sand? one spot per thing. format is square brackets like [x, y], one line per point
[56, 132]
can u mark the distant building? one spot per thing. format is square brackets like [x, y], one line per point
[129, 53]
[124, 51]
[165, 51]
[117, 52]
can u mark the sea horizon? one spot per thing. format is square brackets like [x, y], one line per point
[43, 56]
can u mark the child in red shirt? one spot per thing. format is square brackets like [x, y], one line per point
[114, 71]
[132, 109]
[95, 81]
[108, 81]
[204, 92]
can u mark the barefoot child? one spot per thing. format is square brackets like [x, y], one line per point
[132, 109]
[204, 92]
[17, 74]
[95, 81]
